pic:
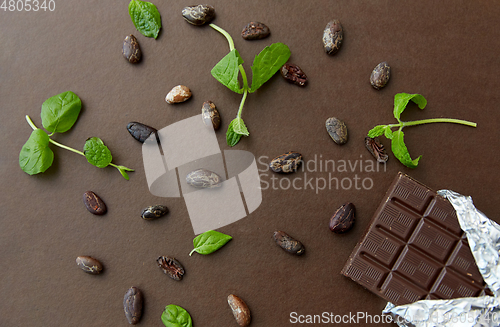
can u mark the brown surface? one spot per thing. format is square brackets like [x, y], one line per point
[414, 249]
[446, 50]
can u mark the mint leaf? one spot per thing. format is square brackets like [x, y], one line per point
[401, 152]
[267, 63]
[36, 156]
[226, 71]
[123, 170]
[376, 131]
[145, 17]
[59, 113]
[209, 242]
[402, 99]
[97, 153]
[388, 133]
[235, 131]
[176, 316]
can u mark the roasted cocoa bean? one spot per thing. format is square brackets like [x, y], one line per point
[337, 130]
[153, 212]
[255, 31]
[286, 163]
[203, 178]
[376, 149]
[333, 36]
[139, 131]
[131, 49]
[240, 310]
[288, 243]
[294, 74]
[178, 94]
[210, 115]
[380, 75]
[343, 219]
[89, 265]
[94, 204]
[171, 267]
[132, 304]
[199, 14]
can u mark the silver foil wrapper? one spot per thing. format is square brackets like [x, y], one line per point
[483, 236]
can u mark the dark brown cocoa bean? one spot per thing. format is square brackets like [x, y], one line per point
[343, 219]
[89, 265]
[210, 115]
[199, 14]
[380, 75]
[131, 49]
[376, 149]
[94, 204]
[286, 163]
[139, 131]
[132, 304]
[153, 212]
[337, 130]
[294, 74]
[255, 31]
[288, 243]
[203, 178]
[171, 267]
[333, 36]
[240, 310]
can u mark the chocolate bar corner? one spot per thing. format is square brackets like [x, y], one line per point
[414, 249]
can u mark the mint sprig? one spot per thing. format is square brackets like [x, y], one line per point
[398, 145]
[227, 72]
[59, 114]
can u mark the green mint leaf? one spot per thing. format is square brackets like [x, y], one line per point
[145, 17]
[59, 113]
[36, 156]
[123, 170]
[267, 63]
[402, 99]
[176, 316]
[401, 152]
[235, 131]
[226, 71]
[376, 131]
[388, 133]
[209, 242]
[97, 153]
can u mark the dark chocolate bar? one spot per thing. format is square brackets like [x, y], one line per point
[414, 249]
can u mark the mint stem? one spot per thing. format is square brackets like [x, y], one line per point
[434, 120]
[226, 34]
[30, 122]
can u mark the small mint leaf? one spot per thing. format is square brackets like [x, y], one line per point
[36, 156]
[209, 242]
[235, 131]
[376, 131]
[97, 153]
[267, 63]
[226, 71]
[401, 152]
[145, 17]
[388, 133]
[402, 99]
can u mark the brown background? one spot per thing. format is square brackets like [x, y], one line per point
[446, 50]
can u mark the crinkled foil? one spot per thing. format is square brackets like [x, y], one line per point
[483, 235]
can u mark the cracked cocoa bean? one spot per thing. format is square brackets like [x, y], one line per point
[293, 74]
[380, 75]
[132, 305]
[240, 310]
[210, 115]
[94, 203]
[131, 49]
[288, 243]
[199, 14]
[343, 219]
[333, 36]
[376, 149]
[203, 178]
[89, 265]
[171, 267]
[178, 94]
[139, 131]
[286, 163]
[337, 130]
[153, 212]
[255, 31]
